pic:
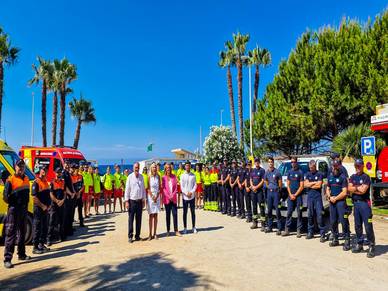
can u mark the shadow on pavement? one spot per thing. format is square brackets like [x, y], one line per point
[153, 271]
[211, 228]
[381, 250]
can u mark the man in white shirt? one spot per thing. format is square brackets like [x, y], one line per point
[135, 196]
[188, 187]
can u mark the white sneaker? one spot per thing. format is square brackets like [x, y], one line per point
[195, 230]
[185, 231]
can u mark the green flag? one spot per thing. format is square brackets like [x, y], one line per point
[149, 148]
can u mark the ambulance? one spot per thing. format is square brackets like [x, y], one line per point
[8, 159]
[51, 157]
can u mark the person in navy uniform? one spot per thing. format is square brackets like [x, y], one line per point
[336, 192]
[233, 180]
[359, 186]
[313, 183]
[225, 189]
[241, 189]
[342, 169]
[247, 192]
[295, 188]
[273, 182]
[257, 194]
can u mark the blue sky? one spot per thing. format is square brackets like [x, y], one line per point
[150, 67]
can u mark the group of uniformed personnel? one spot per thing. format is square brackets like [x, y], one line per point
[255, 195]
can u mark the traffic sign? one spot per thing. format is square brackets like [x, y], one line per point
[368, 146]
[370, 166]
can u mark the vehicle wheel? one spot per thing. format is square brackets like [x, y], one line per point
[28, 237]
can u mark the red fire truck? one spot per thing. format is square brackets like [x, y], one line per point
[379, 123]
[52, 157]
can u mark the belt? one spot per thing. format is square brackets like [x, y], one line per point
[273, 190]
[136, 200]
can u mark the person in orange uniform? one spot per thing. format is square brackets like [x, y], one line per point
[88, 190]
[16, 194]
[78, 186]
[97, 189]
[118, 188]
[56, 212]
[42, 201]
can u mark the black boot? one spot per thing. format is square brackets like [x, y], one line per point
[334, 242]
[346, 246]
[322, 239]
[357, 249]
[309, 235]
[268, 230]
[298, 233]
[286, 232]
[278, 232]
[262, 227]
[371, 251]
[254, 224]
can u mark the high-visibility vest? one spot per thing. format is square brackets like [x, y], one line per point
[88, 182]
[206, 179]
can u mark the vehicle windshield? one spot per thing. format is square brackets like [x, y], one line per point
[12, 158]
[286, 166]
[74, 161]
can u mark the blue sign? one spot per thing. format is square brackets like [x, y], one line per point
[368, 146]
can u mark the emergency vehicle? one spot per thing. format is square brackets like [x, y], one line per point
[52, 157]
[8, 159]
[379, 123]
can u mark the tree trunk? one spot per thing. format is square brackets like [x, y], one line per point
[62, 116]
[256, 88]
[231, 101]
[1, 91]
[77, 134]
[44, 118]
[55, 119]
[240, 103]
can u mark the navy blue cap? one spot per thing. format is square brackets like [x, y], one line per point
[359, 162]
[336, 163]
[257, 160]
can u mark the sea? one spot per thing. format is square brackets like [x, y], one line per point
[102, 168]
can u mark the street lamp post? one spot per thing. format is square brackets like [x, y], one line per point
[222, 110]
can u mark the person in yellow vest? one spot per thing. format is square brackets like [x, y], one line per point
[199, 191]
[125, 177]
[214, 188]
[173, 171]
[207, 188]
[89, 190]
[145, 178]
[107, 181]
[118, 189]
[179, 172]
[97, 189]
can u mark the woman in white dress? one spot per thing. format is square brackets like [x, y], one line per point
[153, 200]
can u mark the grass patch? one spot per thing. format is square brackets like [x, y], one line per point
[380, 211]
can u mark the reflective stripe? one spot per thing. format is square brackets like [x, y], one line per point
[370, 220]
[346, 216]
[279, 206]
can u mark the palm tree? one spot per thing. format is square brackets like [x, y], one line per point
[44, 74]
[67, 73]
[258, 57]
[239, 46]
[8, 56]
[226, 61]
[83, 111]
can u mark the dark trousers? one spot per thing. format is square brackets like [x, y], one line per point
[214, 192]
[15, 231]
[40, 226]
[314, 209]
[56, 220]
[186, 205]
[339, 213]
[258, 198]
[273, 202]
[248, 203]
[135, 211]
[78, 204]
[291, 206]
[225, 198]
[208, 192]
[363, 215]
[171, 208]
[68, 216]
[241, 202]
[234, 194]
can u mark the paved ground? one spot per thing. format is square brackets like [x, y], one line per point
[225, 254]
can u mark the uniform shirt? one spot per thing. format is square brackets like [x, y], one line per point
[248, 177]
[272, 178]
[224, 172]
[88, 181]
[241, 174]
[179, 173]
[295, 177]
[336, 184]
[358, 180]
[78, 182]
[97, 183]
[134, 188]
[118, 181]
[206, 179]
[41, 190]
[198, 178]
[214, 175]
[314, 177]
[57, 188]
[68, 181]
[233, 174]
[107, 181]
[342, 170]
[188, 185]
[145, 178]
[257, 174]
[17, 190]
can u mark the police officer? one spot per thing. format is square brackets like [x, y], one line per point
[257, 194]
[233, 186]
[16, 194]
[225, 188]
[295, 180]
[359, 185]
[241, 189]
[336, 193]
[56, 212]
[313, 183]
[41, 196]
[247, 192]
[273, 182]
